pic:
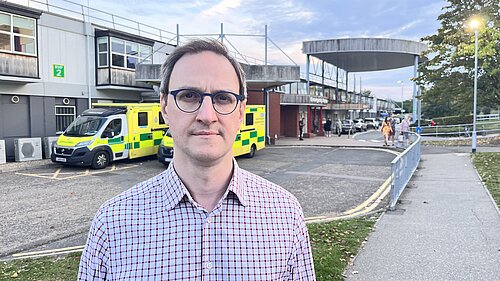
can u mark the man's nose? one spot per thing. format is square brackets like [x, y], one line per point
[206, 113]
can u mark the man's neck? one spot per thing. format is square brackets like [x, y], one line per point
[206, 183]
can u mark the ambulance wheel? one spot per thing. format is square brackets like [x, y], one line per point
[253, 149]
[101, 160]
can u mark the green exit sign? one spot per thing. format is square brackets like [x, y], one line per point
[58, 70]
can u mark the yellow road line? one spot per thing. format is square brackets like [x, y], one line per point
[35, 175]
[49, 251]
[385, 185]
[56, 173]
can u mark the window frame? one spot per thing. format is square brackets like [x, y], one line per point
[143, 54]
[64, 114]
[103, 52]
[13, 34]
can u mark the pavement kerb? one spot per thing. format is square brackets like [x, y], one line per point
[21, 166]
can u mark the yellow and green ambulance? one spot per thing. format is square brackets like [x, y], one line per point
[249, 139]
[109, 132]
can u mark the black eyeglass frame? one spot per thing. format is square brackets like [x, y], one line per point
[174, 93]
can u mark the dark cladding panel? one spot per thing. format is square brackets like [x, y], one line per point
[36, 116]
[49, 105]
[15, 117]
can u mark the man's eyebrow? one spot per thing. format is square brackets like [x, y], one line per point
[203, 91]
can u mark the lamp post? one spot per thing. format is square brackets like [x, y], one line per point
[402, 98]
[474, 24]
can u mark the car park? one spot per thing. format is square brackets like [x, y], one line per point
[372, 123]
[359, 125]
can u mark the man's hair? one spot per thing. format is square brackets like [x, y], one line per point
[195, 47]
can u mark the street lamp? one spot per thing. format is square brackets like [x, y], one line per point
[474, 23]
[402, 98]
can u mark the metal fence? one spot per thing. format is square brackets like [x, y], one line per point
[403, 168]
[462, 130]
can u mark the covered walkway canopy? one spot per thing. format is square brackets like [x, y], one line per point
[367, 54]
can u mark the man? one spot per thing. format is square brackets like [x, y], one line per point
[204, 218]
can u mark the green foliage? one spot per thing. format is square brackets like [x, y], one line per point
[488, 165]
[449, 73]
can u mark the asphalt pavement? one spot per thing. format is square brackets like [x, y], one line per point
[447, 227]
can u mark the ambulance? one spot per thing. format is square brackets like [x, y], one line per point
[109, 132]
[250, 138]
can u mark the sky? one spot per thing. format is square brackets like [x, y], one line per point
[289, 23]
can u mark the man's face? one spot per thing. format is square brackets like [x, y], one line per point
[204, 135]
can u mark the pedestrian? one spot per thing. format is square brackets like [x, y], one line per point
[203, 218]
[386, 130]
[339, 127]
[301, 128]
[328, 127]
[405, 130]
[392, 121]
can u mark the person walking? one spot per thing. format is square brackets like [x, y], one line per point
[392, 122]
[339, 127]
[386, 130]
[405, 129]
[301, 128]
[328, 127]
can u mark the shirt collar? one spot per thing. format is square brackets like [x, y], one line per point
[174, 190]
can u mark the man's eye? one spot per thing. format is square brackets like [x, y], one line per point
[224, 98]
[188, 96]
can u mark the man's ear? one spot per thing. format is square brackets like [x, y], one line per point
[242, 108]
[163, 107]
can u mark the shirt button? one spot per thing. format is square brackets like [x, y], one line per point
[210, 220]
[208, 265]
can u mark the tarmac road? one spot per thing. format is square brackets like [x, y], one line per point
[52, 206]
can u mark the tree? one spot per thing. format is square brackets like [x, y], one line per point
[448, 75]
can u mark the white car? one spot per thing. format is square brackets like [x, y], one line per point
[372, 123]
[359, 125]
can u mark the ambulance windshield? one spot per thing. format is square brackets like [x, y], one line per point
[84, 126]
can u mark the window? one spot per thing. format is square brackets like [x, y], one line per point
[124, 53]
[102, 50]
[64, 116]
[114, 128]
[248, 119]
[17, 34]
[161, 120]
[143, 118]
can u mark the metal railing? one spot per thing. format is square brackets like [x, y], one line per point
[461, 130]
[402, 168]
[487, 117]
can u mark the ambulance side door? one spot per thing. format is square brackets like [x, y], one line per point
[115, 133]
[140, 135]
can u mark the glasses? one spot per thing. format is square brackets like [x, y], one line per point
[190, 100]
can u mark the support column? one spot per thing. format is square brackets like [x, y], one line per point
[415, 75]
[265, 45]
[308, 62]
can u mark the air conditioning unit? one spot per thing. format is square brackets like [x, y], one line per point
[47, 146]
[28, 149]
[2, 152]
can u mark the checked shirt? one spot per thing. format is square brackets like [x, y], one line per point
[156, 231]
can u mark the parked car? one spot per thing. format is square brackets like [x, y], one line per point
[372, 123]
[348, 127]
[359, 125]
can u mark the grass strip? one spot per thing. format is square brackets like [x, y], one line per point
[333, 244]
[48, 268]
[488, 166]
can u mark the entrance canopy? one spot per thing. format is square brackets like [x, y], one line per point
[365, 54]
